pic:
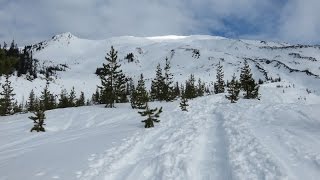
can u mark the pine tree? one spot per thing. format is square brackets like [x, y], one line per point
[38, 119]
[184, 101]
[200, 88]
[63, 100]
[120, 88]
[47, 98]
[233, 90]
[152, 116]
[191, 90]
[72, 98]
[157, 85]
[168, 90]
[140, 95]
[113, 81]
[219, 84]
[96, 97]
[17, 108]
[52, 101]
[81, 100]
[7, 98]
[248, 85]
[31, 101]
[177, 90]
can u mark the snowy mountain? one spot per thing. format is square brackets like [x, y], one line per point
[277, 137]
[299, 64]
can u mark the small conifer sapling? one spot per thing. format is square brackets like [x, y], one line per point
[152, 116]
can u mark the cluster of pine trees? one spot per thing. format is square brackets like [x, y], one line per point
[246, 83]
[116, 87]
[14, 60]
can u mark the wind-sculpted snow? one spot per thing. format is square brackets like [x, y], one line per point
[274, 138]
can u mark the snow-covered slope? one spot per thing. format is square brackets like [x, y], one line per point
[298, 64]
[275, 138]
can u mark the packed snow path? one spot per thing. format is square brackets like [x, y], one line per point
[274, 138]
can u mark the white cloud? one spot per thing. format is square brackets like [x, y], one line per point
[300, 21]
[30, 21]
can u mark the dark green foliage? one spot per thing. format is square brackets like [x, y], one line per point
[96, 97]
[168, 89]
[248, 85]
[72, 98]
[48, 99]
[219, 84]
[200, 88]
[7, 63]
[31, 104]
[157, 86]
[13, 60]
[139, 96]
[6, 98]
[176, 90]
[81, 100]
[130, 57]
[38, 119]
[63, 100]
[120, 88]
[260, 81]
[233, 90]
[152, 116]
[17, 108]
[191, 89]
[184, 101]
[113, 81]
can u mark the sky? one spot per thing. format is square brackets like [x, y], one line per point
[293, 21]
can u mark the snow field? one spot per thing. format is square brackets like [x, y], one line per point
[268, 139]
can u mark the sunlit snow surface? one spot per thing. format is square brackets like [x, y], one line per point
[277, 137]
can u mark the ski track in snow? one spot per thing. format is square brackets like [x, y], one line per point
[215, 140]
[167, 152]
[205, 143]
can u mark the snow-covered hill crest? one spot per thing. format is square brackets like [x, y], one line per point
[198, 54]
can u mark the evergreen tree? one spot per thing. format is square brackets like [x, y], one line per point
[17, 108]
[38, 119]
[233, 90]
[200, 88]
[157, 85]
[219, 84]
[31, 104]
[113, 81]
[184, 101]
[47, 98]
[191, 90]
[140, 95]
[96, 97]
[63, 100]
[152, 116]
[168, 90]
[7, 98]
[120, 88]
[72, 98]
[176, 90]
[81, 100]
[248, 84]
